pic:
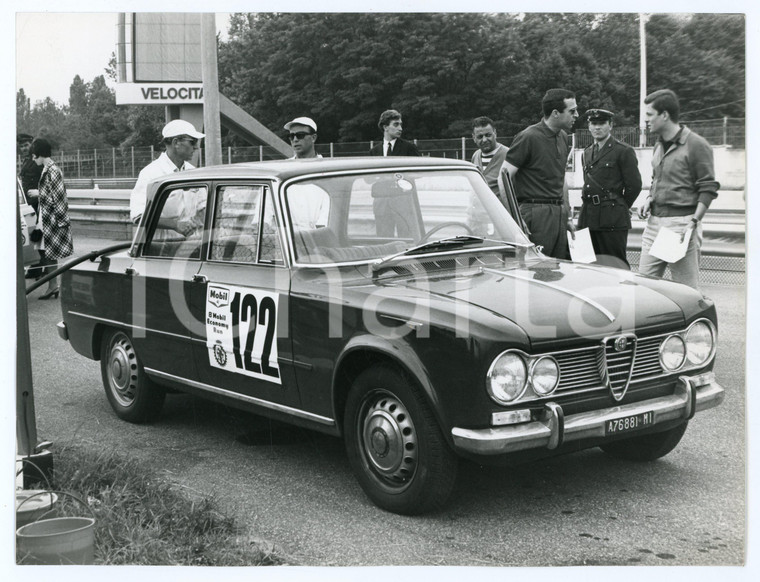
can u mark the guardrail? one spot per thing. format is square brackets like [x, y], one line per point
[104, 214]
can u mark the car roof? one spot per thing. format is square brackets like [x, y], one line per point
[286, 169]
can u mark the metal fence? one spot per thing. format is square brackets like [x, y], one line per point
[114, 163]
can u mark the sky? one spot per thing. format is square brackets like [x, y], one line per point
[52, 48]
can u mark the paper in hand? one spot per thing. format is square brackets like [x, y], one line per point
[667, 245]
[581, 249]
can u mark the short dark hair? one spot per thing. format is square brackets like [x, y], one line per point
[555, 99]
[386, 117]
[664, 100]
[482, 121]
[41, 148]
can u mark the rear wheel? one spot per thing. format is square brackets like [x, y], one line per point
[132, 395]
[647, 447]
[394, 444]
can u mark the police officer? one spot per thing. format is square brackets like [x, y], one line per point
[611, 184]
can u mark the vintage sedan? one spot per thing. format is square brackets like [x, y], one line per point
[396, 303]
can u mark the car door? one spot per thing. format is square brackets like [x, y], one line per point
[157, 290]
[241, 292]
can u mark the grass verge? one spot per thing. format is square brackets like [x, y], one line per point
[141, 519]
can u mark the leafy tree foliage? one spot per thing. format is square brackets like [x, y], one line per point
[439, 69]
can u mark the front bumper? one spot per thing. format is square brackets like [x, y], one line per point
[693, 394]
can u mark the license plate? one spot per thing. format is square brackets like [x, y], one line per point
[629, 423]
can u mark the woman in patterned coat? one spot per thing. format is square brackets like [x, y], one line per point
[53, 213]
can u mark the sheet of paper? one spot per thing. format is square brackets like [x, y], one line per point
[581, 249]
[667, 245]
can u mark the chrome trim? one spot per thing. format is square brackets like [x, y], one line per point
[574, 294]
[662, 345]
[525, 358]
[129, 325]
[243, 397]
[618, 392]
[713, 331]
[531, 373]
[281, 187]
[195, 339]
[545, 433]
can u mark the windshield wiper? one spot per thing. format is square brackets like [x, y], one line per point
[443, 244]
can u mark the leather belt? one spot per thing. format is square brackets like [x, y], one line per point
[596, 200]
[554, 201]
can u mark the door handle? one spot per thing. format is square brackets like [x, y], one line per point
[130, 271]
[198, 278]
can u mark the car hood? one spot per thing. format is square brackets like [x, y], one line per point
[552, 299]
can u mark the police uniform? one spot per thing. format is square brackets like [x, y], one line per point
[611, 184]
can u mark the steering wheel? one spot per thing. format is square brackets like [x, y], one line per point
[437, 227]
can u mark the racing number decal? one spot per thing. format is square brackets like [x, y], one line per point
[242, 322]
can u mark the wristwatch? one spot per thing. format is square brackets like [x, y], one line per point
[695, 220]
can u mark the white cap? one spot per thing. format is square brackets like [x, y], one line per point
[181, 127]
[307, 121]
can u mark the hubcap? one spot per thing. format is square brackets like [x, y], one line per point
[389, 440]
[122, 371]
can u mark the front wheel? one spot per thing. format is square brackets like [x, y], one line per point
[647, 447]
[394, 444]
[132, 395]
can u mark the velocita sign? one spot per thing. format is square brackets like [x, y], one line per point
[159, 93]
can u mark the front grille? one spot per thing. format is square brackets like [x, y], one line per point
[619, 363]
[590, 368]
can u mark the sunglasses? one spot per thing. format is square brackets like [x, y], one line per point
[299, 135]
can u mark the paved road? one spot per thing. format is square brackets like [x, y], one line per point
[294, 487]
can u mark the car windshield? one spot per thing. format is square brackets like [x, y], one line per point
[364, 217]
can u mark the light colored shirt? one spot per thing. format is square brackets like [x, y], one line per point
[158, 168]
[385, 146]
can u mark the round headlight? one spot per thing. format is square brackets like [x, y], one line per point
[699, 343]
[507, 377]
[672, 353]
[544, 375]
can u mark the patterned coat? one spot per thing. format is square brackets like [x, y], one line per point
[54, 207]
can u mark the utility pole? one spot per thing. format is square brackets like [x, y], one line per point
[211, 119]
[643, 79]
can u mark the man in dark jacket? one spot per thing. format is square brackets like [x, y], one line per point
[611, 184]
[393, 208]
[28, 171]
[392, 145]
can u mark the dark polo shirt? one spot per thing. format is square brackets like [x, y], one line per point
[541, 156]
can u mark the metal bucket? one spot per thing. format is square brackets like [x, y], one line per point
[32, 504]
[61, 540]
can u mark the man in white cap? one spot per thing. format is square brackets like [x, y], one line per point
[180, 140]
[302, 134]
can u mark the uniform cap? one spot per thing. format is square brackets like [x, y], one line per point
[307, 121]
[181, 127]
[599, 115]
[24, 137]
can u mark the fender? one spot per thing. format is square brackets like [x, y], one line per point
[403, 355]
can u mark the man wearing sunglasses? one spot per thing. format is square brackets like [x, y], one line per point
[302, 135]
[180, 140]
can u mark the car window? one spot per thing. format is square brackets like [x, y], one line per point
[454, 197]
[309, 206]
[235, 229]
[178, 230]
[370, 216]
